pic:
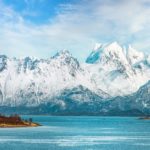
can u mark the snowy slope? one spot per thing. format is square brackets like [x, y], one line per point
[81, 101]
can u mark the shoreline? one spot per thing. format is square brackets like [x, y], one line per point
[26, 124]
[15, 121]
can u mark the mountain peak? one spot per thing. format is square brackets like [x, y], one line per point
[134, 55]
[108, 51]
[97, 46]
[64, 57]
[113, 47]
[62, 54]
[115, 43]
[115, 51]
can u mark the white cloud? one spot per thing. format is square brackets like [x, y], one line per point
[76, 27]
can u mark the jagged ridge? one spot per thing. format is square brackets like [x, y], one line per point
[61, 84]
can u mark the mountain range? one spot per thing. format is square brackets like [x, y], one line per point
[114, 80]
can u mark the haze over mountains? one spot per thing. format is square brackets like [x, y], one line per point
[113, 80]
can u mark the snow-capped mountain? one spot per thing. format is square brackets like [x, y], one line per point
[117, 70]
[60, 84]
[30, 81]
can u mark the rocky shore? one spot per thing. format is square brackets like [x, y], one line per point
[16, 121]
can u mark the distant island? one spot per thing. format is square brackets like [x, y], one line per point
[145, 118]
[15, 121]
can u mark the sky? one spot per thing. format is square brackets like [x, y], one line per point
[40, 28]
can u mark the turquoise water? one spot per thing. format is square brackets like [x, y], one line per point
[79, 133]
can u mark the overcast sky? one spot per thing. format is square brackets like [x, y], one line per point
[40, 28]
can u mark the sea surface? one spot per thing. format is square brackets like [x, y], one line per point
[78, 133]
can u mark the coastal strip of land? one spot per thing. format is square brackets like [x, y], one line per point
[16, 121]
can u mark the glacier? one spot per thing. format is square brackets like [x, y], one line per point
[113, 80]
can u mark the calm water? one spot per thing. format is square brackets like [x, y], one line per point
[79, 133]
